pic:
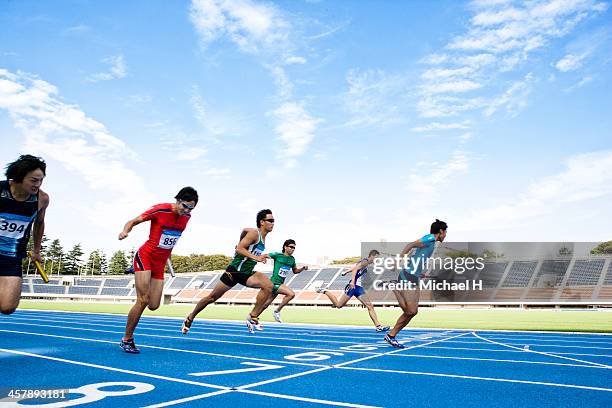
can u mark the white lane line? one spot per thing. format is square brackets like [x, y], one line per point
[323, 326]
[498, 360]
[216, 329]
[120, 370]
[185, 338]
[469, 377]
[188, 399]
[513, 351]
[315, 400]
[165, 348]
[540, 352]
[273, 380]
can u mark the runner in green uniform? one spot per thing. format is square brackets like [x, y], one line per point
[249, 251]
[284, 262]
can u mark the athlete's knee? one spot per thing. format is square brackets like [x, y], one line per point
[267, 287]
[411, 311]
[7, 310]
[291, 295]
[153, 306]
[143, 300]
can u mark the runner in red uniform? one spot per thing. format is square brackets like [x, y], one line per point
[168, 221]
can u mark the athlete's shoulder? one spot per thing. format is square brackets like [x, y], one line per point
[250, 233]
[428, 238]
[43, 198]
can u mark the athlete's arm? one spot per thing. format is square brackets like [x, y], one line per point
[251, 237]
[129, 225]
[300, 269]
[39, 225]
[416, 244]
[354, 270]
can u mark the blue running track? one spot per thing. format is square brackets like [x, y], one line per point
[220, 364]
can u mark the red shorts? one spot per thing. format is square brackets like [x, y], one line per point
[145, 261]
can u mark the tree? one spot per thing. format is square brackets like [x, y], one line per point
[198, 262]
[605, 248]
[54, 259]
[347, 260]
[103, 263]
[118, 263]
[94, 262]
[73, 260]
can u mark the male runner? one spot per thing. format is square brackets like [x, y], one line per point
[354, 288]
[249, 251]
[409, 299]
[22, 205]
[168, 221]
[284, 262]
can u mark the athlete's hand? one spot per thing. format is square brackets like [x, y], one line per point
[122, 235]
[36, 256]
[352, 285]
[305, 268]
[262, 258]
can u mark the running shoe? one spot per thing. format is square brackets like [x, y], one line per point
[251, 322]
[277, 316]
[129, 346]
[393, 341]
[381, 328]
[259, 326]
[186, 325]
[321, 289]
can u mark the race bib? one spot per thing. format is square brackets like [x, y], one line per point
[283, 271]
[168, 239]
[13, 226]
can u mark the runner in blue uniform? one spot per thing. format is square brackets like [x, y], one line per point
[355, 288]
[22, 205]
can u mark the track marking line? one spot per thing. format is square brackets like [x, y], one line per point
[540, 352]
[468, 377]
[188, 399]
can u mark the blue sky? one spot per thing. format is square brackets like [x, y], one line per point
[352, 121]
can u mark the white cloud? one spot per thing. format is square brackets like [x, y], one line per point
[254, 27]
[570, 62]
[437, 175]
[63, 132]
[296, 129]
[117, 70]
[586, 177]
[579, 84]
[498, 40]
[441, 126]
[295, 60]
[513, 99]
[374, 97]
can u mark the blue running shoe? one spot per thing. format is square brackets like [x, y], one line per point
[129, 346]
[380, 328]
[393, 341]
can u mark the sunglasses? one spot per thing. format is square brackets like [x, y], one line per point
[187, 207]
[291, 246]
[270, 220]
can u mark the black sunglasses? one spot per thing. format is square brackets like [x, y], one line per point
[291, 246]
[271, 220]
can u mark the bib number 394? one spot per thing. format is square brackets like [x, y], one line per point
[13, 226]
[168, 239]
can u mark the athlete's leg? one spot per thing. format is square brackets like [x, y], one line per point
[156, 287]
[289, 295]
[365, 300]
[218, 291]
[260, 281]
[10, 293]
[142, 281]
[335, 302]
[409, 302]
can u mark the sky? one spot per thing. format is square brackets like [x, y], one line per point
[352, 121]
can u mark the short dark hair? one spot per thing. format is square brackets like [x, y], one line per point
[437, 226]
[26, 163]
[287, 243]
[373, 252]
[187, 194]
[261, 215]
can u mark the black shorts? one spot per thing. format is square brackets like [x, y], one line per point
[231, 277]
[10, 266]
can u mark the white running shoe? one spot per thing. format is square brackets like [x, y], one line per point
[251, 323]
[259, 327]
[321, 289]
[277, 316]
